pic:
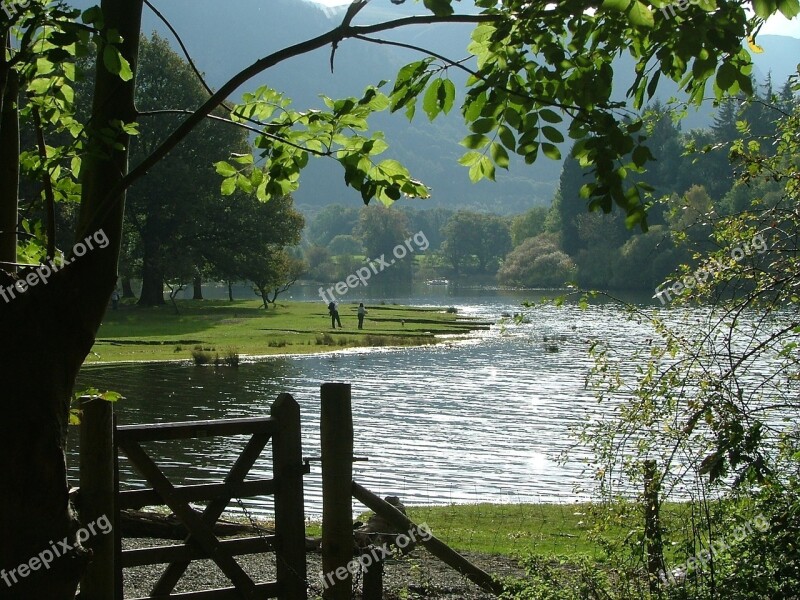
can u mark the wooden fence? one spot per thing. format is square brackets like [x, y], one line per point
[282, 428]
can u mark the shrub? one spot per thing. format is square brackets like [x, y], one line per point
[537, 262]
[558, 579]
[200, 356]
[325, 339]
[231, 359]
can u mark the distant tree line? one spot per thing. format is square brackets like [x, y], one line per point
[692, 180]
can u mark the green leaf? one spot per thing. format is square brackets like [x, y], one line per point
[392, 169]
[111, 396]
[93, 16]
[449, 91]
[228, 186]
[764, 8]
[242, 159]
[225, 169]
[475, 141]
[483, 125]
[470, 158]
[641, 154]
[550, 116]
[551, 151]
[552, 134]
[482, 169]
[441, 8]
[507, 137]
[789, 8]
[640, 15]
[726, 76]
[499, 156]
[430, 102]
[115, 63]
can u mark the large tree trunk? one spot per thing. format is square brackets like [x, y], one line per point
[152, 293]
[50, 329]
[127, 288]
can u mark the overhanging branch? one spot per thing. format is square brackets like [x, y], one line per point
[248, 73]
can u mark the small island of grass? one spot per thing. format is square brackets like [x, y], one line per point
[218, 330]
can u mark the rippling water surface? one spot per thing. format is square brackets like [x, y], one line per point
[482, 420]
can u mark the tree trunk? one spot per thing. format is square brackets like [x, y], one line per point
[230, 291]
[197, 288]
[51, 328]
[127, 288]
[152, 293]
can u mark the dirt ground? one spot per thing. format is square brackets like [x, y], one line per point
[416, 575]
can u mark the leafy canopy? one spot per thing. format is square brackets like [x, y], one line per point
[538, 73]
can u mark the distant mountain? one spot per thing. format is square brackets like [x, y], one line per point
[224, 37]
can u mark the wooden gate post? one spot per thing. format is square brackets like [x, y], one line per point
[98, 495]
[652, 527]
[336, 442]
[373, 579]
[290, 533]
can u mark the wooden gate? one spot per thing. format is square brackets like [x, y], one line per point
[282, 427]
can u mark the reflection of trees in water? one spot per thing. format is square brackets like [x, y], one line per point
[179, 392]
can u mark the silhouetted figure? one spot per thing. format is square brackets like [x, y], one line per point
[361, 312]
[334, 310]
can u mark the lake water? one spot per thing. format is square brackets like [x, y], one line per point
[477, 420]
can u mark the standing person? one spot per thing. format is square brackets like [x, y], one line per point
[361, 312]
[333, 309]
[114, 299]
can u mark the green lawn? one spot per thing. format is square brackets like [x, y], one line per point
[218, 327]
[549, 530]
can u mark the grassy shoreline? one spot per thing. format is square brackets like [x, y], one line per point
[217, 328]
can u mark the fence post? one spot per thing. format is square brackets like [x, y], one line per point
[98, 494]
[287, 456]
[336, 442]
[373, 579]
[652, 527]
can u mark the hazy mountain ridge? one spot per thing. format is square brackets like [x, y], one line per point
[253, 28]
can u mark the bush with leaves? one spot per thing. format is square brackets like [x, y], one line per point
[559, 579]
[714, 394]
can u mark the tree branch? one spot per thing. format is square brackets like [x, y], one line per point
[248, 73]
[183, 111]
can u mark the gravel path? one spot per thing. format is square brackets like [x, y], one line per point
[416, 575]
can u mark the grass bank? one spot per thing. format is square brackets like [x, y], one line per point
[570, 531]
[211, 328]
